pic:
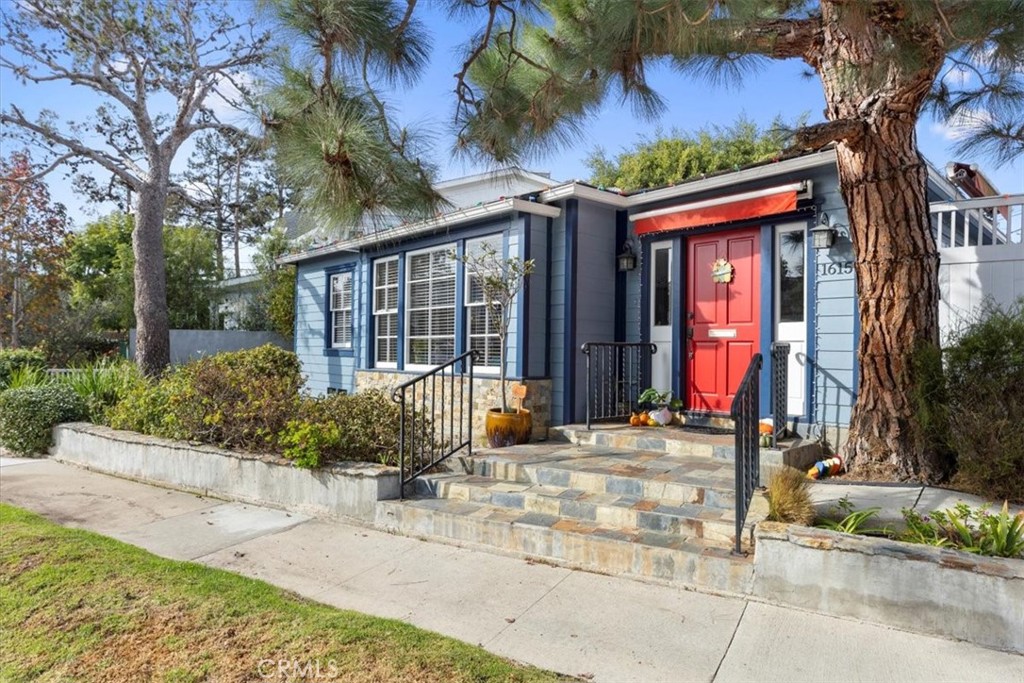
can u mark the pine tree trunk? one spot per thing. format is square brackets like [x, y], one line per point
[152, 342]
[883, 180]
[896, 264]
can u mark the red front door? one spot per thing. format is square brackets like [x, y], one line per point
[722, 318]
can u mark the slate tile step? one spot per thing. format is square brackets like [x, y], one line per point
[715, 525]
[582, 544]
[685, 479]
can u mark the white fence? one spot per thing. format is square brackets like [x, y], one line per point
[981, 245]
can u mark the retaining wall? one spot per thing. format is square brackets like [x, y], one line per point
[915, 587]
[341, 490]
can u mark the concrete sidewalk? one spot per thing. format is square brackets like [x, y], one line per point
[578, 623]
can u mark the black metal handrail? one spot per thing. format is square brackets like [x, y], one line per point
[780, 390]
[617, 372]
[744, 412]
[421, 445]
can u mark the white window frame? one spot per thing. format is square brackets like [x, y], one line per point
[341, 310]
[378, 312]
[480, 305]
[407, 337]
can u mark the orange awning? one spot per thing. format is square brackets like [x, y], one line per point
[727, 209]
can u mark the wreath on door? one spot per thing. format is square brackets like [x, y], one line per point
[721, 271]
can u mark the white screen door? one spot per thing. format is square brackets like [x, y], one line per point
[661, 315]
[791, 307]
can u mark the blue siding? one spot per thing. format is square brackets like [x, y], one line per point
[833, 349]
[538, 299]
[595, 288]
[556, 338]
[325, 371]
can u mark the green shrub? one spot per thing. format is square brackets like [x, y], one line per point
[362, 427]
[241, 399]
[28, 376]
[984, 373]
[27, 416]
[973, 530]
[306, 443]
[146, 409]
[102, 386]
[13, 360]
[367, 422]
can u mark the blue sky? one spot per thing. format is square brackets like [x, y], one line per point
[780, 88]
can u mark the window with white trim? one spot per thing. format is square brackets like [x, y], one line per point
[341, 310]
[430, 307]
[482, 318]
[385, 311]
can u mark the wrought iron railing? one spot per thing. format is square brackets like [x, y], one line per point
[617, 373]
[744, 412]
[436, 417]
[780, 390]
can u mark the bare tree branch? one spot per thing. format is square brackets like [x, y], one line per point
[76, 148]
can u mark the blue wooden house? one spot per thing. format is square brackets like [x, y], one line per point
[710, 271]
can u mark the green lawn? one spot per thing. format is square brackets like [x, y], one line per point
[78, 606]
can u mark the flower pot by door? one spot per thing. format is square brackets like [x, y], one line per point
[507, 429]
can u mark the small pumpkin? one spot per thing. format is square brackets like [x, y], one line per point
[634, 420]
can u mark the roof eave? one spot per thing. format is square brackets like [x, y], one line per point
[462, 216]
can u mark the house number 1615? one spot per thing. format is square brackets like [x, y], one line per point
[835, 268]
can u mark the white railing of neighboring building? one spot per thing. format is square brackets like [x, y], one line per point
[987, 221]
[981, 251]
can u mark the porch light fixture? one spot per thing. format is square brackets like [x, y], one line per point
[823, 235]
[627, 259]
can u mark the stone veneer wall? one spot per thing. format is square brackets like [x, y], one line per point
[486, 394]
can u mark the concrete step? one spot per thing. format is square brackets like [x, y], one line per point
[649, 475]
[580, 544]
[669, 440]
[714, 525]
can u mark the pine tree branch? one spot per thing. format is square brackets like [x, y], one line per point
[849, 131]
[778, 38]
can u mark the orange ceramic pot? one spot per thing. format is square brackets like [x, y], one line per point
[508, 429]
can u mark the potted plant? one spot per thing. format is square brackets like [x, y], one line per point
[500, 279]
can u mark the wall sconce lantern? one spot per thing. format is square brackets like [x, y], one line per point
[627, 259]
[823, 235]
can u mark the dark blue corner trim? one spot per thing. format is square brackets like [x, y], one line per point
[811, 362]
[767, 258]
[645, 291]
[679, 321]
[367, 357]
[400, 356]
[547, 297]
[295, 312]
[523, 308]
[571, 228]
[328, 272]
[621, 234]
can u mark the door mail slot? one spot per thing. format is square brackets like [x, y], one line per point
[722, 334]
